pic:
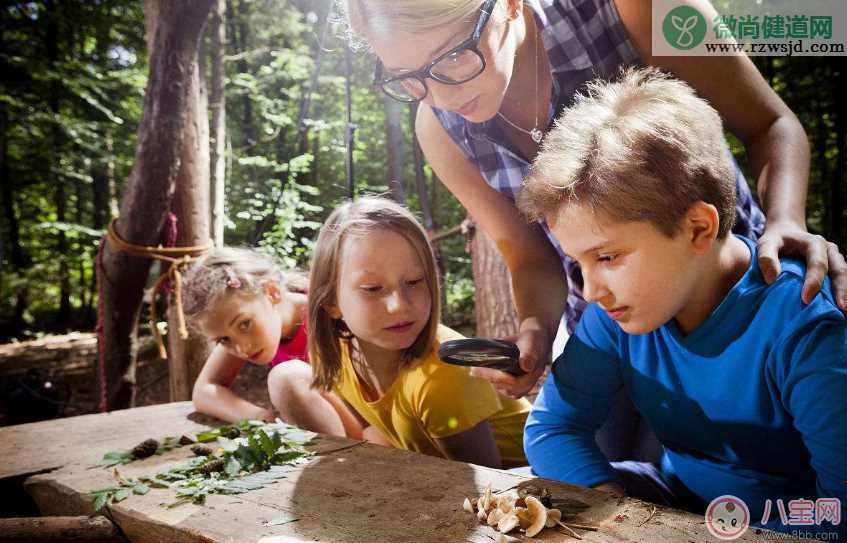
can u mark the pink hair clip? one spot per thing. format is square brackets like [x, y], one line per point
[233, 282]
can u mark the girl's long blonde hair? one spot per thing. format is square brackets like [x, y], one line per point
[351, 219]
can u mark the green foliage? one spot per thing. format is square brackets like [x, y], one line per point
[258, 454]
[70, 102]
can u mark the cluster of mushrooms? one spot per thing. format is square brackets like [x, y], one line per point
[510, 510]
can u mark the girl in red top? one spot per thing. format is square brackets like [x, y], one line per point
[255, 312]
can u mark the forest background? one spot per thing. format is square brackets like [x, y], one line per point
[72, 81]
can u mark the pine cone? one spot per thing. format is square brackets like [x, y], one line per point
[201, 450]
[146, 448]
[213, 465]
[185, 440]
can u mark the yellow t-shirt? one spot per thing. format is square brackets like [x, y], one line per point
[433, 399]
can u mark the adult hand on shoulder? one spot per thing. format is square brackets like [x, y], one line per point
[822, 256]
[534, 347]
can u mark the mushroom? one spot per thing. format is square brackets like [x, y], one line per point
[523, 517]
[537, 516]
[467, 506]
[485, 500]
[506, 502]
[554, 516]
[503, 538]
[495, 515]
[508, 523]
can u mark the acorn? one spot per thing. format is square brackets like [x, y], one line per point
[201, 450]
[211, 466]
[232, 432]
[146, 448]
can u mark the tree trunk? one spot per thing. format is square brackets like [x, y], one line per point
[19, 257]
[84, 293]
[316, 150]
[495, 309]
[394, 146]
[52, 46]
[243, 67]
[837, 180]
[191, 206]
[103, 182]
[217, 104]
[420, 177]
[149, 188]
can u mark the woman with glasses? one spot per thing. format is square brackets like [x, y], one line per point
[491, 76]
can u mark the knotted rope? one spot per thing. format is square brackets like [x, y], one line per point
[179, 259]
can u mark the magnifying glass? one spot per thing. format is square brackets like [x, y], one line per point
[485, 353]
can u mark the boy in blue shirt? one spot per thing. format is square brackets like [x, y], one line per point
[743, 384]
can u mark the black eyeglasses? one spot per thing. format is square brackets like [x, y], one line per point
[456, 66]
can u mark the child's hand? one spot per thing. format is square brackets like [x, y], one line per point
[534, 346]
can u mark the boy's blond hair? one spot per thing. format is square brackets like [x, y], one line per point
[642, 148]
[349, 220]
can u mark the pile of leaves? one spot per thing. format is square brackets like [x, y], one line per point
[254, 455]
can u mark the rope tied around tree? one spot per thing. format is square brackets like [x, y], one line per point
[179, 259]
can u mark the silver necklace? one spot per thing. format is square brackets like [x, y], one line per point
[536, 134]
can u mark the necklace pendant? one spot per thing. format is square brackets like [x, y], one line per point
[536, 135]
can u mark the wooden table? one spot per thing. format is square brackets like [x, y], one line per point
[350, 492]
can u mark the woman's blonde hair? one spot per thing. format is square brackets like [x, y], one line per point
[358, 218]
[233, 269]
[642, 148]
[380, 18]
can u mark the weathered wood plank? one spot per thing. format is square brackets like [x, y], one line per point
[40, 446]
[349, 492]
[54, 529]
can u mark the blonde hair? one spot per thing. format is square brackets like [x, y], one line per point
[642, 148]
[352, 219]
[381, 18]
[233, 269]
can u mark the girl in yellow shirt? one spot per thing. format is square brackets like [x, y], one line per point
[374, 333]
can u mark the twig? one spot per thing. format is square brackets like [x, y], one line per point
[583, 527]
[568, 530]
[652, 512]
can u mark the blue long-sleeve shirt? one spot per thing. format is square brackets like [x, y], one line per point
[752, 403]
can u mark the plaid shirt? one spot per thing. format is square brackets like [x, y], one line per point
[584, 39]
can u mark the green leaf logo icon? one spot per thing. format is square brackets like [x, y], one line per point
[684, 27]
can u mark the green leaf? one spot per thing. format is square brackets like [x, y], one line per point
[121, 495]
[227, 445]
[205, 437]
[112, 458]
[266, 443]
[232, 467]
[140, 488]
[100, 500]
